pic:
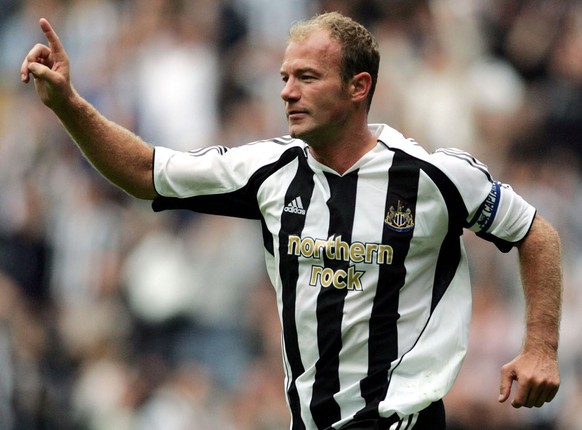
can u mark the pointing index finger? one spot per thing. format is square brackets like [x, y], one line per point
[51, 36]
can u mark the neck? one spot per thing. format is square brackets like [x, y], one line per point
[342, 152]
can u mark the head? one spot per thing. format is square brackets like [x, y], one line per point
[359, 48]
[330, 70]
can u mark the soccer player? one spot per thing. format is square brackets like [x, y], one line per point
[362, 234]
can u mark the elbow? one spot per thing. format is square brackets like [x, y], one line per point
[140, 187]
[142, 193]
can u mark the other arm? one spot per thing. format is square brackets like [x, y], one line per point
[118, 154]
[536, 367]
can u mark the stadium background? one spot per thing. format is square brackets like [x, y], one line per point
[112, 317]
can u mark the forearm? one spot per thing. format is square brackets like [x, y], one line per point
[541, 274]
[118, 154]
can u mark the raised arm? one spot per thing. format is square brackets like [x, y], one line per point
[536, 367]
[118, 154]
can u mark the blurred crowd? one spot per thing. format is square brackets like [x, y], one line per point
[113, 317]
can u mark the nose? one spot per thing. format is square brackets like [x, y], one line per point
[290, 91]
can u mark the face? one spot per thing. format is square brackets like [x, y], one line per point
[317, 103]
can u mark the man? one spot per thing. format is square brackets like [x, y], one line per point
[361, 231]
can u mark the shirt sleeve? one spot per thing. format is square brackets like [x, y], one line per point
[207, 171]
[214, 180]
[495, 211]
[219, 180]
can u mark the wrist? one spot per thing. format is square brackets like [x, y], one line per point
[546, 343]
[69, 104]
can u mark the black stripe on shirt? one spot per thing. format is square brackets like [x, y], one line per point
[330, 304]
[293, 224]
[403, 177]
[450, 251]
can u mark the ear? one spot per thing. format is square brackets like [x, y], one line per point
[360, 87]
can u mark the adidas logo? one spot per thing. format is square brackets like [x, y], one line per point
[295, 206]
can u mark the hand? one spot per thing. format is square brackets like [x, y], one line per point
[49, 65]
[537, 379]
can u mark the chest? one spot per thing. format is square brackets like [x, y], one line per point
[363, 217]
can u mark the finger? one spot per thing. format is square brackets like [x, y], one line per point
[552, 395]
[519, 402]
[24, 72]
[545, 392]
[39, 71]
[38, 54]
[507, 379]
[51, 36]
[533, 396]
[540, 401]
[527, 395]
[546, 396]
[521, 396]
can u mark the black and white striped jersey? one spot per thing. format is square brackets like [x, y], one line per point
[369, 268]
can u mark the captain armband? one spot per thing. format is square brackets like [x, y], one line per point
[487, 211]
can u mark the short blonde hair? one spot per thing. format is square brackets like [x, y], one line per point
[358, 46]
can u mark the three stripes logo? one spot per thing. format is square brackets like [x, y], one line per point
[295, 206]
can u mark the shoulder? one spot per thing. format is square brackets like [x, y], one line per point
[253, 154]
[453, 162]
[268, 148]
[460, 165]
[271, 145]
[394, 140]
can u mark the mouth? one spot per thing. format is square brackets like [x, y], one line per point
[296, 113]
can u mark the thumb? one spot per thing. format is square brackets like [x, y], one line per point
[44, 73]
[39, 71]
[507, 378]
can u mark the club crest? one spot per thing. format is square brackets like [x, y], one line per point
[400, 219]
